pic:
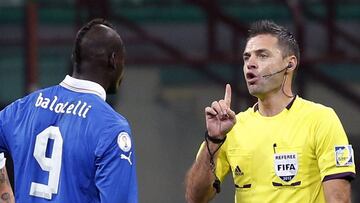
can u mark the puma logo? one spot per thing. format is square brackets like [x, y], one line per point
[123, 156]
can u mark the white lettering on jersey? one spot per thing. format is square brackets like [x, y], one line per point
[58, 107]
[53, 103]
[286, 165]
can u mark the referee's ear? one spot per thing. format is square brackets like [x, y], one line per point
[292, 63]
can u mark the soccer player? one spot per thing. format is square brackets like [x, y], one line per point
[284, 148]
[67, 143]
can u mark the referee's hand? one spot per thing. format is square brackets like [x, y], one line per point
[219, 117]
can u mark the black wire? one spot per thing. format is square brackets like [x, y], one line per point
[216, 183]
[282, 88]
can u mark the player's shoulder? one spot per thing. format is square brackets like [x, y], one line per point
[110, 127]
[104, 113]
[23, 101]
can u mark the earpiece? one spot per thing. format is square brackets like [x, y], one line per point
[289, 66]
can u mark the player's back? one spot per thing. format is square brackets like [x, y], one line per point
[55, 137]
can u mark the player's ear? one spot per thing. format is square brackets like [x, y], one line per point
[112, 61]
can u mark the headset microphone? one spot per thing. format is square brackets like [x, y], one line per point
[271, 74]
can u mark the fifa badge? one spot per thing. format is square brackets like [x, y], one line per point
[286, 165]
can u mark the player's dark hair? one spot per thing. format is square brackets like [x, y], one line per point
[76, 55]
[286, 40]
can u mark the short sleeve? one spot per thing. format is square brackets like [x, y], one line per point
[115, 176]
[334, 154]
[5, 126]
[2, 140]
[222, 165]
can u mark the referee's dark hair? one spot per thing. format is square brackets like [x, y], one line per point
[285, 38]
[76, 55]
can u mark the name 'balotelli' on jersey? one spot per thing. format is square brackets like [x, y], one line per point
[69, 145]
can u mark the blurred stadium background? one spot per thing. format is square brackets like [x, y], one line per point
[180, 53]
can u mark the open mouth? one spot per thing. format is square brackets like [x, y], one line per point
[251, 78]
[250, 75]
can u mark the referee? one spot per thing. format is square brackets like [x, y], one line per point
[282, 149]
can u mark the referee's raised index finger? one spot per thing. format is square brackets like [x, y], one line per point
[227, 96]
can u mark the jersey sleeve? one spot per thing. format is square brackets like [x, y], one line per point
[5, 125]
[334, 154]
[2, 134]
[115, 175]
[222, 165]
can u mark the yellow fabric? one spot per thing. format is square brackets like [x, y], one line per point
[309, 130]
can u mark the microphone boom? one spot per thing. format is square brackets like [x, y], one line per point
[271, 74]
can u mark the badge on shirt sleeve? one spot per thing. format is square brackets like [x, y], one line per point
[344, 155]
[286, 165]
[124, 141]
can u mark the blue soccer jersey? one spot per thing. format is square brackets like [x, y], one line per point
[69, 145]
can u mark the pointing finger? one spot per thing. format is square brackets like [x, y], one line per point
[227, 96]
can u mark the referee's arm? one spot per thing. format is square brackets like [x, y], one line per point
[337, 190]
[200, 178]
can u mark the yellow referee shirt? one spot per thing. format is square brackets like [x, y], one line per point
[286, 157]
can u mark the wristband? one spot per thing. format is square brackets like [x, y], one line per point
[214, 140]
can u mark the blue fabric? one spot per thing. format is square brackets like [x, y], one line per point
[79, 134]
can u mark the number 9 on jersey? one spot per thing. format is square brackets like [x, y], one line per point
[51, 165]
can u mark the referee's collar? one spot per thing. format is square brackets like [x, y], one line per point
[256, 106]
[83, 86]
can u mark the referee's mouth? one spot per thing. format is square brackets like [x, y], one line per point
[251, 78]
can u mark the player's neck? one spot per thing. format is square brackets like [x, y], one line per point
[95, 76]
[273, 104]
